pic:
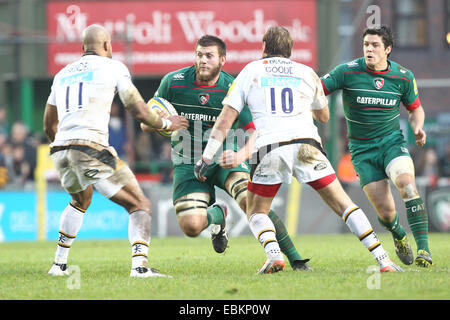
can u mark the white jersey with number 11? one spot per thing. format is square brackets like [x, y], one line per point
[83, 92]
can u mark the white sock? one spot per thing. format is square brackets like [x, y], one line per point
[264, 231]
[139, 237]
[360, 226]
[69, 225]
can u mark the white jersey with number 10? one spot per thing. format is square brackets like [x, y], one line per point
[83, 92]
[280, 94]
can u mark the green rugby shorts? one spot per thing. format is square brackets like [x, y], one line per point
[185, 182]
[371, 157]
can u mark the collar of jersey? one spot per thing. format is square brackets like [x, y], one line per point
[373, 71]
[206, 87]
[90, 53]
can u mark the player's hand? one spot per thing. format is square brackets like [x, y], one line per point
[200, 169]
[163, 114]
[177, 123]
[230, 159]
[421, 137]
[146, 128]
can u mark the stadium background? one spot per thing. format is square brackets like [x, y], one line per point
[38, 37]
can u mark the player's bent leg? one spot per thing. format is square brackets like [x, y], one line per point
[132, 198]
[355, 219]
[69, 224]
[331, 191]
[219, 235]
[82, 200]
[380, 196]
[418, 222]
[401, 171]
[122, 188]
[191, 211]
[259, 200]
[194, 216]
[236, 186]
[193, 225]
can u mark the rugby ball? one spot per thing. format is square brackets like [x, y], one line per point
[159, 104]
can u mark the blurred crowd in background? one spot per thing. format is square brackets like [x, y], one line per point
[150, 154]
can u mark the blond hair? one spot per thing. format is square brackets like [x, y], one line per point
[278, 42]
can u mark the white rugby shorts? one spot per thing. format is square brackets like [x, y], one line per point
[284, 162]
[81, 163]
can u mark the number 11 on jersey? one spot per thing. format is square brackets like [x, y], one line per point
[74, 100]
[75, 97]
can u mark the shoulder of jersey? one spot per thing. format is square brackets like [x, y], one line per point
[227, 77]
[357, 63]
[180, 74]
[400, 69]
[116, 63]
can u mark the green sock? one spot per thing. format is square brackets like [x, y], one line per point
[418, 222]
[394, 227]
[214, 215]
[283, 238]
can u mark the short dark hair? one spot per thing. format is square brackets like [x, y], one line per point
[384, 32]
[209, 41]
[278, 42]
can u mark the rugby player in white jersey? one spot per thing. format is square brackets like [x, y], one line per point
[284, 97]
[76, 123]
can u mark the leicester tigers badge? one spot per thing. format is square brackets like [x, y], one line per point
[378, 82]
[203, 98]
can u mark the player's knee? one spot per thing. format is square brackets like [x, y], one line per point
[191, 213]
[144, 204]
[387, 216]
[83, 199]
[385, 210]
[191, 231]
[236, 185]
[408, 191]
[139, 203]
[401, 171]
[82, 203]
[406, 186]
[191, 225]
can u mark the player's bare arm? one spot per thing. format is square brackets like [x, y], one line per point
[135, 104]
[50, 121]
[223, 123]
[147, 128]
[219, 131]
[320, 111]
[416, 120]
[322, 115]
[230, 159]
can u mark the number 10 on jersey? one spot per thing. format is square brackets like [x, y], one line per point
[280, 101]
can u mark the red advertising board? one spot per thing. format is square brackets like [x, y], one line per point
[155, 37]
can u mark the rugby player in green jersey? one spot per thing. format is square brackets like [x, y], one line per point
[372, 89]
[197, 92]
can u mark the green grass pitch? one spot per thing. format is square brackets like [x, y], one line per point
[341, 271]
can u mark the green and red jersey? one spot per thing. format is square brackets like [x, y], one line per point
[201, 105]
[372, 99]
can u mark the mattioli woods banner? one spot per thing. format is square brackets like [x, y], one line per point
[156, 37]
